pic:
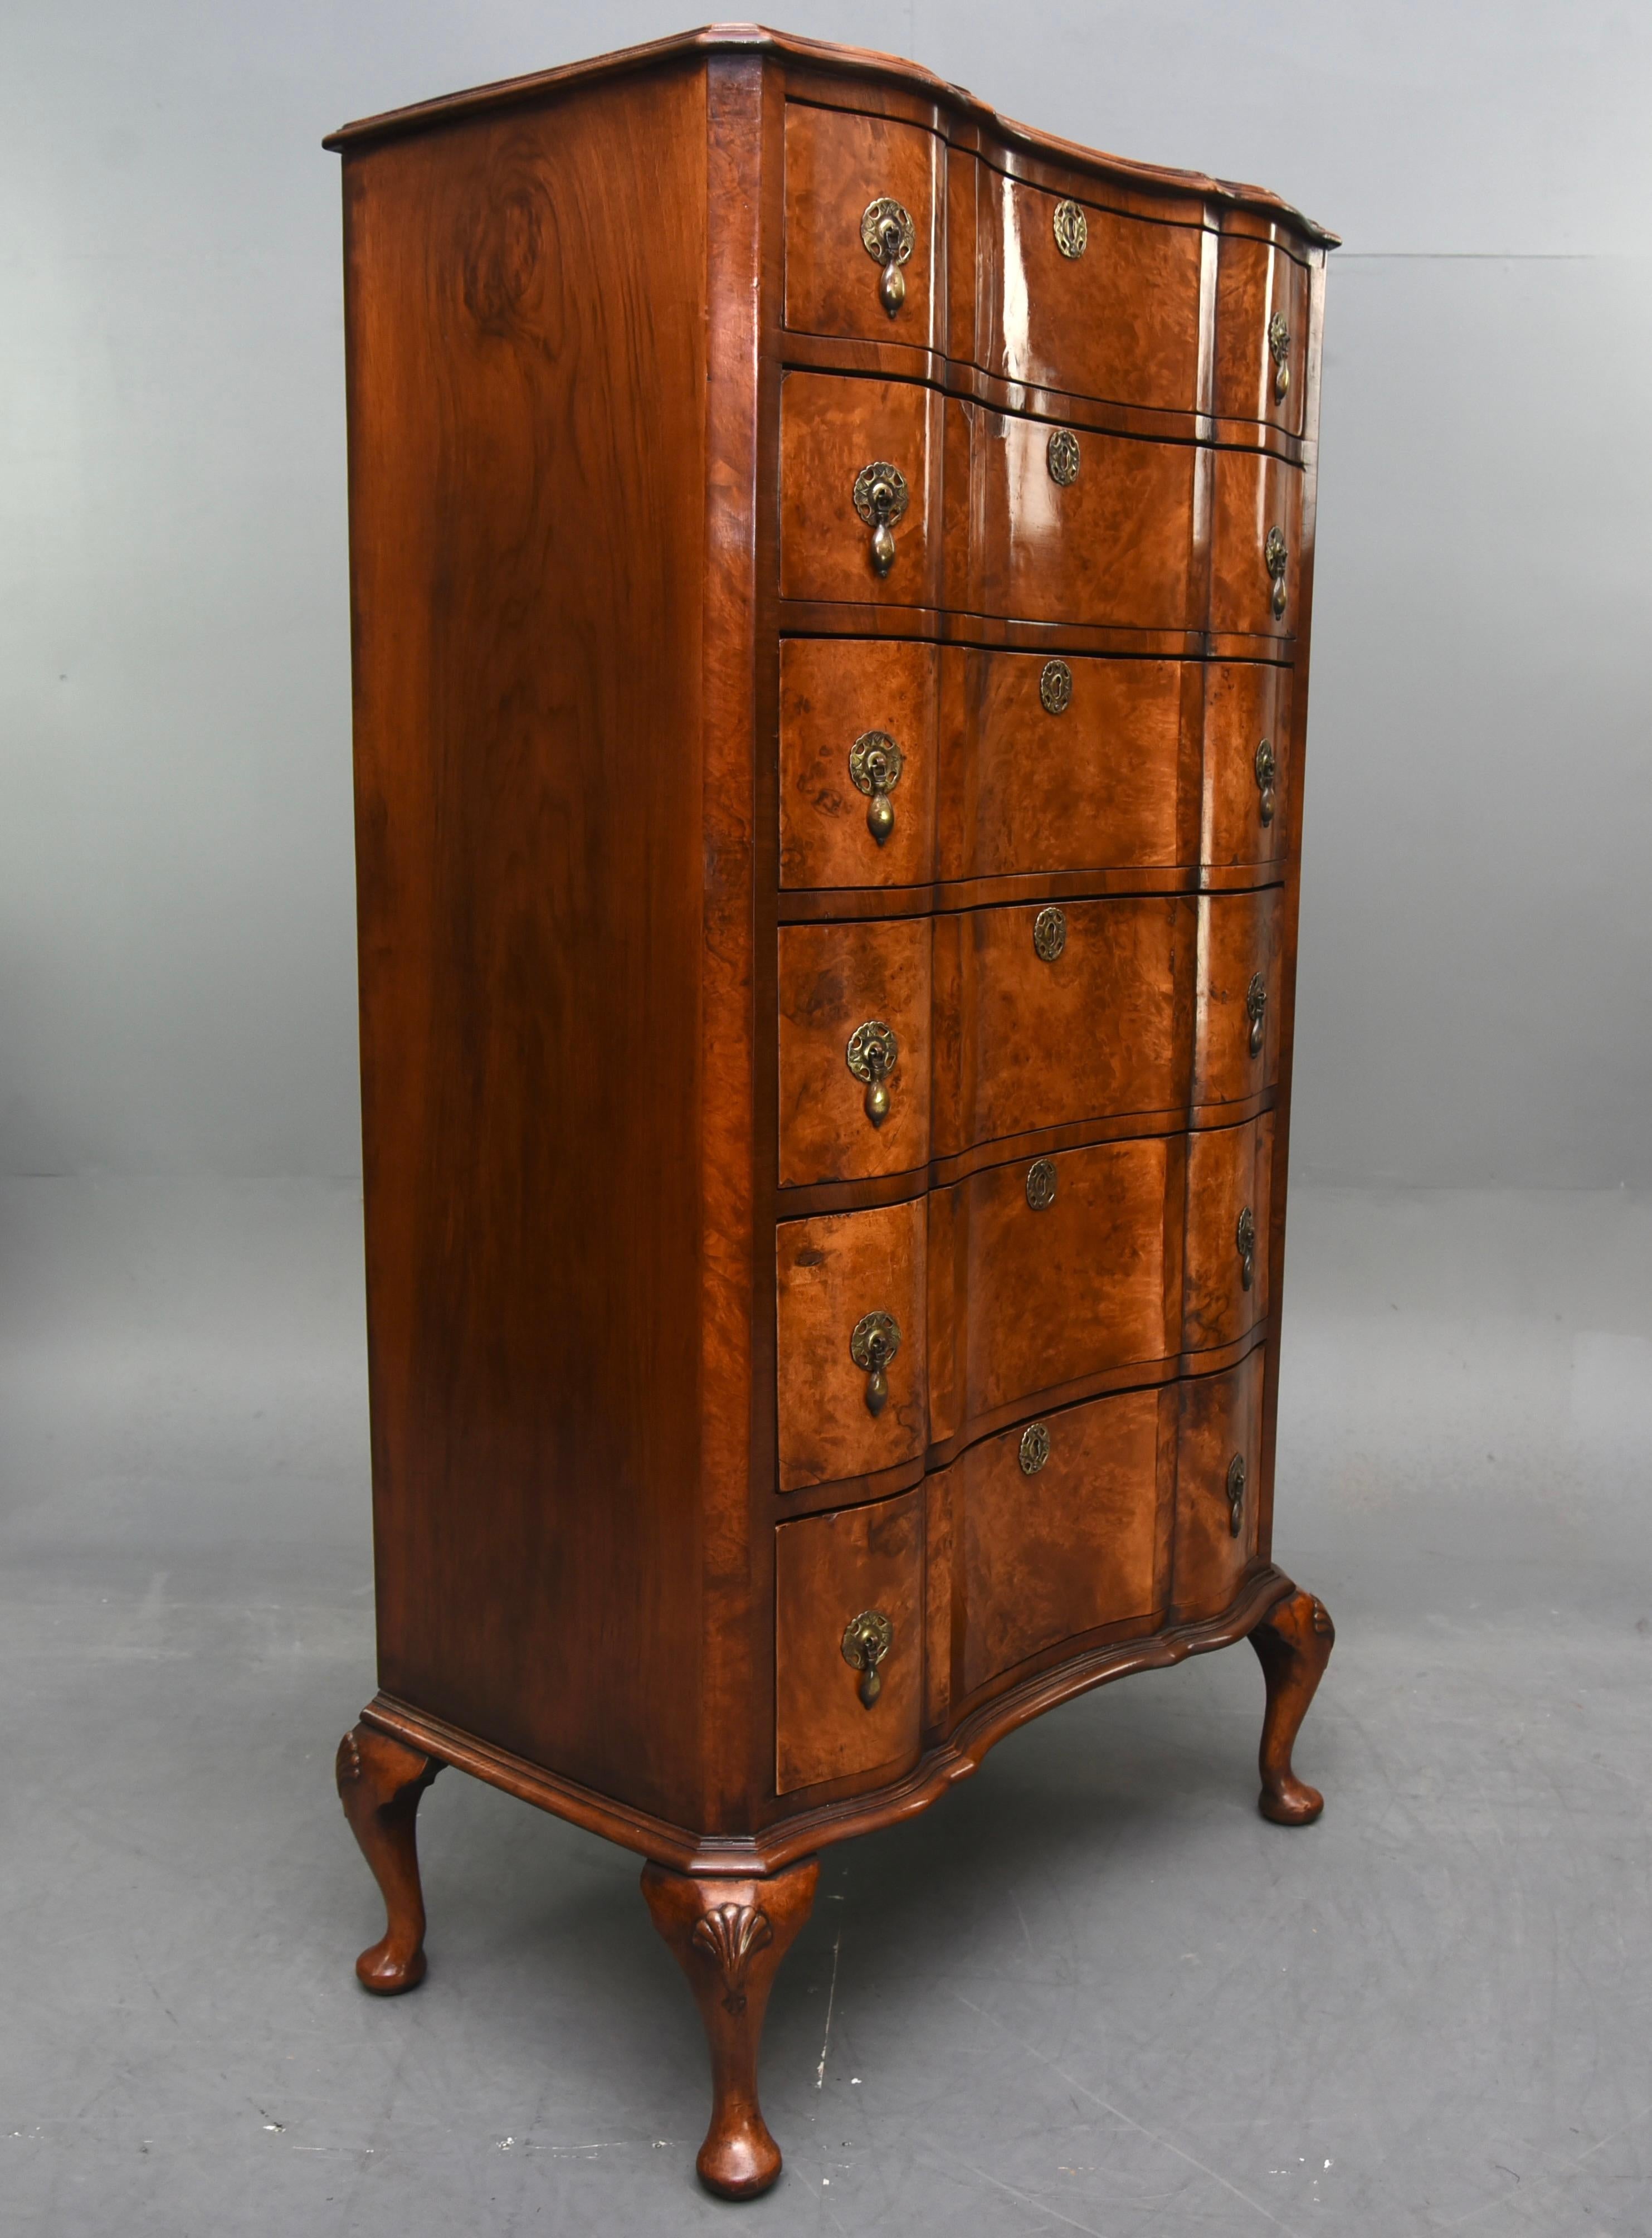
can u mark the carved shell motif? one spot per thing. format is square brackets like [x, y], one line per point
[729, 1936]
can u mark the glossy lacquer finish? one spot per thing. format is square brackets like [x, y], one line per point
[831, 573]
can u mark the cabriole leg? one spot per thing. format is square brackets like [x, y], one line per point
[1293, 1644]
[380, 1781]
[729, 1938]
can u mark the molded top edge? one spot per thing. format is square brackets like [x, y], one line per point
[854, 62]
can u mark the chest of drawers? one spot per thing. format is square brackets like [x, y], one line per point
[830, 573]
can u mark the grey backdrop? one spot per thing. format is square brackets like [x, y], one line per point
[175, 912]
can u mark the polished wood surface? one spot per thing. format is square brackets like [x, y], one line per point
[1239, 944]
[830, 1272]
[829, 1569]
[1258, 282]
[829, 429]
[381, 1784]
[1245, 704]
[836, 164]
[1229, 1173]
[835, 978]
[1252, 494]
[833, 692]
[1220, 1422]
[1293, 1644]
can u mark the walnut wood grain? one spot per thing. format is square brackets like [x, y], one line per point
[1253, 493]
[833, 979]
[1238, 942]
[828, 1568]
[829, 1271]
[1245, 702]
[837, 163]
[833, 691]
[1220, 1417]
[1229, 1171]
[829, 429]
[1257, 280]
[729, 1937]
[381, 1784]
[1293, 1644]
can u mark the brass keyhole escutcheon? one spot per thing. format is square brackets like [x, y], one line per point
[1255, 1005]
[1266, 772]
[875, 767]
[1040, 1184]
[872, 1056]
[1049, 934]
[1244, 1237]
[887, 236]
[1061, 456]
[1055, 687]
[867, 1638]
[881, 498]
[1278, 558]
[873, 1345]
[1072, 230]
[1235, 1494]
[1035, 1448]
[1279, 345]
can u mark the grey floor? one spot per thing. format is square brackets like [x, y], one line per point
[1090, 1991]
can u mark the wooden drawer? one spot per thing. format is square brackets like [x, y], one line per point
[1229, 1176]
[832, 1271]
[1116, 321]
[1256, 537]
[1236, 1045]
[1045, 1015]
[828, 1570]
[833, 692]
[1256, 285]
[837, 166]
[1218, 1477]
[1247, 762]
[832, 429]
[836, 980]
[1024, 1301]
[1061, 1527]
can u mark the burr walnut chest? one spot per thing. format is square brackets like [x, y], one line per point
[831, 572]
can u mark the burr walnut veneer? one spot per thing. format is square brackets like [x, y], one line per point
[831, 574]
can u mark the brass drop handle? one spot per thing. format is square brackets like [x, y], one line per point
[872, 1056]
[887, 236]
[1244, 1237]
[867, 1638]
[875, 1340]
[1277, 557]
[1267, 770]
[875, 767]
[881, 498]
[1279, 345]
[1235, 1494]
[1256, 1006]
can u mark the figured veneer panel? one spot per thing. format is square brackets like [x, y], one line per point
[837, 163]
[1255, 281]
[1229, 1171]
[1099, 1031]
[964, 178]
[1244, 703]
[1253, 493]
[1023, 1301]
[1221, 1419]
[1119, 322]
[1073, 1546]
[833, 691]
[829, 1569]
[829, 429]
[1238, 943]
[1022, 788]
[833, 978]
[831, 1270]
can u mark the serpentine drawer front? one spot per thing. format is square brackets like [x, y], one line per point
[830, 576]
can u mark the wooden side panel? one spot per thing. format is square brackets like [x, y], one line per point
[832, 691]
[1239, 944]
[1256, 282]
[1252, 495]
[837, 163]
[831, 1271]
[833, 979]
[1221, 1422]
[829, 429]
[829, 1569]
[1228, 1175]
[1065, 1549]
[1246, 703]
[529, 829]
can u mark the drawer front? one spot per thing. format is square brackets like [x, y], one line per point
[833, 1572]
[833, 432]
[1045, 1015]
[1247, 759]
[854, 1043]
[844, 175]
[1261, 333]
[1062, 1528]
[1218, 1474]
[1063, 764]
[843, 703]
[833, 1272]
[1236, 1050]
[1031, 1291]
[1255, 536]
[1225, 1291]
[1084, 300]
